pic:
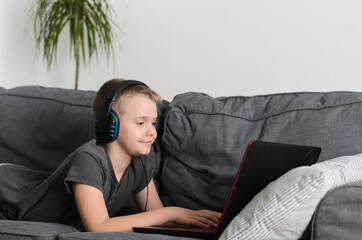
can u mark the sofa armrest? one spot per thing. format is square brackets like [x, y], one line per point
[338, 215]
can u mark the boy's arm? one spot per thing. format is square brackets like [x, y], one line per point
[149, 195]
[94, 214]
[93, 211]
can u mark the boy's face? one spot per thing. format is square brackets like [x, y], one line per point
[137, 125]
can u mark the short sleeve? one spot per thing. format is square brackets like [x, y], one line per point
[84, 169]
[144, 174]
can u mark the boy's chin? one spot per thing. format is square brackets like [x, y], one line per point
[143, 152]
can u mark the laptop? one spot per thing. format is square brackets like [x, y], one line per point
[263, 162]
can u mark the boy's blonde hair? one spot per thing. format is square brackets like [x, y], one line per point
[124, 94]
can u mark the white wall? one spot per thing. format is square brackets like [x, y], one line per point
[220, 47]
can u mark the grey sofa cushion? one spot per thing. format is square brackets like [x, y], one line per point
[117, 236]
[41, 126]
[338, 215]
[205, 138]
[15, 230]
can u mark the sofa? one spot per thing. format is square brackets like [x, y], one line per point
[201, 141]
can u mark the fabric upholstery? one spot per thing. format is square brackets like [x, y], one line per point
[22, 230]
[41, 126]
[205, 137]
[338, 215]
[118, 236]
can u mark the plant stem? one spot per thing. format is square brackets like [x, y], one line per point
[77, 63]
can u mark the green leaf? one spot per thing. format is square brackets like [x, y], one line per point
[90, 22]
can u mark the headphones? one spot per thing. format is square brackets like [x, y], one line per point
[107, 121]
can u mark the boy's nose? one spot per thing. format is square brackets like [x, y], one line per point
[151, 131]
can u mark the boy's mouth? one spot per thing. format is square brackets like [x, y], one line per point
[149, 143]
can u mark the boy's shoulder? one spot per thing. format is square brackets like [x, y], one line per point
[91, 146]
[91, 149]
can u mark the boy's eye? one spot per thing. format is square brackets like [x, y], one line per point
[140, 123]
[154, 123]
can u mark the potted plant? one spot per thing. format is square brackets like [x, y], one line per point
[90, 25]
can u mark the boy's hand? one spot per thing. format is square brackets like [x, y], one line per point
[200, 218]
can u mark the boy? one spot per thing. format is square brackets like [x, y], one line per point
[102, 175]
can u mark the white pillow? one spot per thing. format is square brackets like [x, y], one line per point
[285, 207]
[343, 169]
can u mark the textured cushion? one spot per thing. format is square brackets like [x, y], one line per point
[285, 207]
[205, 138]
[117, 236]
[22, 230]
[338, 216]
[41, 126]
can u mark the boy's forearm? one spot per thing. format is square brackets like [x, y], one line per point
[125, 223]
[160, 216]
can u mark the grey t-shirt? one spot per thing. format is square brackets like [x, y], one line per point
[31, 195]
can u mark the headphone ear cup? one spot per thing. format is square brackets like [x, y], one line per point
[112, 127]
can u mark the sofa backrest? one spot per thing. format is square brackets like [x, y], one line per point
[205, 137]
[40, 126]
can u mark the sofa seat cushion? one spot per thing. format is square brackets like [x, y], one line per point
[23, 230]
[205, 137]
[117, 236]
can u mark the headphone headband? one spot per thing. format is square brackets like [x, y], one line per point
[106, 126]
[120, 86]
